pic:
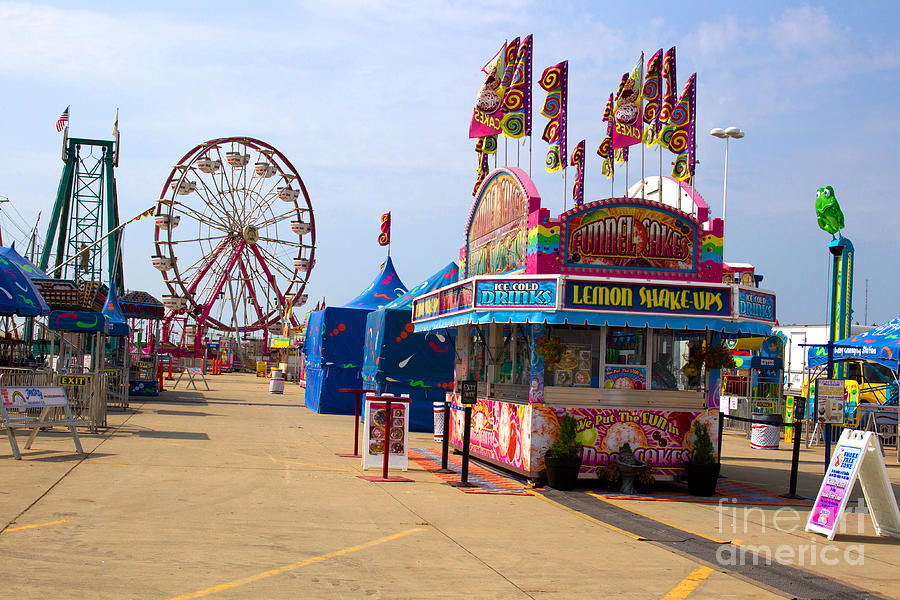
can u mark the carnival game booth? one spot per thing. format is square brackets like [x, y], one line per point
[333, 348]
[144, 314]
[398, 361]
[621, 293]
[872, 367]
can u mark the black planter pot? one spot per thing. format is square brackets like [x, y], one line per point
[702, 479]
[562, 473]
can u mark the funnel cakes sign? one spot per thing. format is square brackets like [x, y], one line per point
[630, 237]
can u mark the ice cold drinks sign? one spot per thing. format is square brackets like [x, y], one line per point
[516, 294]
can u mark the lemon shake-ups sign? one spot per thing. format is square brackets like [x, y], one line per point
[648, 298]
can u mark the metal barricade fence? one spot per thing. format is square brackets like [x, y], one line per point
[116, 388]
[745, 409]
[17, 377]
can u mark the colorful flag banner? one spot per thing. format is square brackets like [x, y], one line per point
[679, 135]
[509, 65]
[629, 129]
[668, 102]
[488, 112]
[606, 149]
[384, 238]
[555, 81]
[578, 162]
[62, 120]
[115, 130]
[516, 121]
[652, 93]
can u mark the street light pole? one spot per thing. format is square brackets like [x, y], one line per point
[726, 134]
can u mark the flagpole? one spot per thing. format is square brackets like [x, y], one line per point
[642, 129]
[565, 187]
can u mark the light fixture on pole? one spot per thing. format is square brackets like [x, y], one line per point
[726, 134]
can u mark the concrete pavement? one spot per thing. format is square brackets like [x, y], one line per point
[236, 493]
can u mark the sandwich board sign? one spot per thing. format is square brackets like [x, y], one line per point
[857, 455]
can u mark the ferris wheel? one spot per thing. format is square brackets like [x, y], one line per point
[235, 240]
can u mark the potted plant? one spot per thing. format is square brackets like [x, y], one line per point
[702, 470]
[609, 476]
[563, 459]
[706, 356]
[551, 350]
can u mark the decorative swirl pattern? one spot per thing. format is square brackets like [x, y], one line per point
[512, 51]
[603, 150]
[677, 141]
[554, 162]
[513, 124]
[650, 91]
[681, 114]
[551, 78]
[650, 138]
[681, 171]
[488, 145]
[552, 105]
[551, 132]
[383, 239]
[514, 99]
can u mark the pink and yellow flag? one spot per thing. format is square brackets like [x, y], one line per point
[488, 112]
[628, 108]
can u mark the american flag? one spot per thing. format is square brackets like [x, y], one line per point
[62, 120]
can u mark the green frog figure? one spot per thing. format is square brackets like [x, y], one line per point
[828, 211]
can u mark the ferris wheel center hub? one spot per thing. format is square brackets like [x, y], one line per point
[251, 234]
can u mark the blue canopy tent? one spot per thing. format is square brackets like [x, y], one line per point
[333, 348]
[18, 296]
[880, 345]
[398, 361]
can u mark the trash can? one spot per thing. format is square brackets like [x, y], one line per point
[438, 408]
[276, 383]
[765, 436]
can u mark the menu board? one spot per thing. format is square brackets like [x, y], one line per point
[574, 368]
[830, 400]
[380, 431]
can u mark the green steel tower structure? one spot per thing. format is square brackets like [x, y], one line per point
[86, 210]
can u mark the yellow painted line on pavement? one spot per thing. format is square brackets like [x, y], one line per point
[658, 520]
[11, 529]
[586, 517]
[303, 563]
[688, 584]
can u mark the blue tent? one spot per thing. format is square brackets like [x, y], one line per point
[116, 326]
[23, 263]
[18, 296]
[398, 361]
[333, 348]
[880, 345]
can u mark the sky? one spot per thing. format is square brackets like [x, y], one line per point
[370, 100]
